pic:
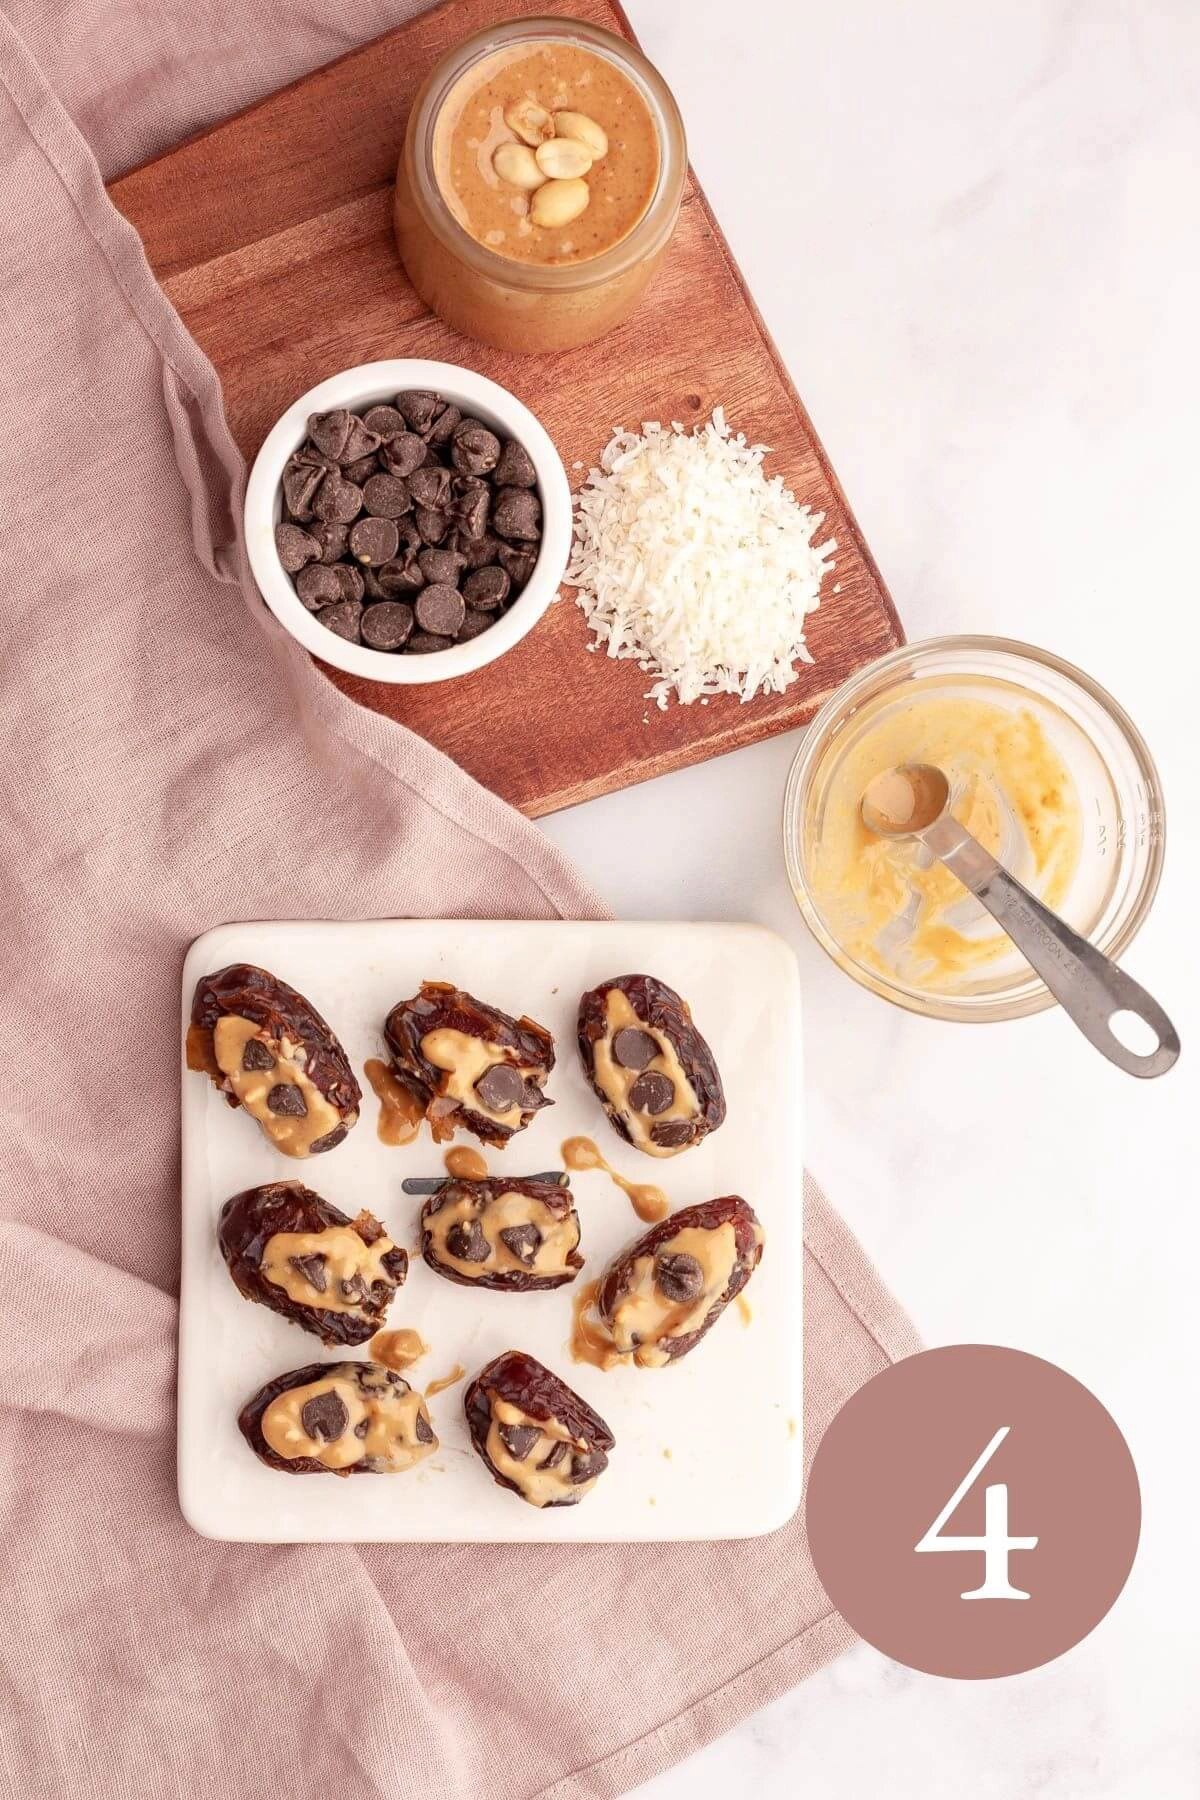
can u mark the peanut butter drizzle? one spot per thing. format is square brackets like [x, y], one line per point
[400, 1113]
[649, 1202]
[398, 1349]
[744, 1312]
[465, 1164]
[445, 1381]
[590, 1340]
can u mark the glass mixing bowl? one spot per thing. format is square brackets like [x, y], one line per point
[1116, 784]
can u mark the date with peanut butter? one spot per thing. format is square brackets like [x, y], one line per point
[269, 1050]
[663, 1294]
[289, 1249]
[342, 1418]
[654, 1074]
[535, 1435]
[471, 1066]
[514, 1236]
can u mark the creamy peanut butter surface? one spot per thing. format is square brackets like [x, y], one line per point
[553, 79]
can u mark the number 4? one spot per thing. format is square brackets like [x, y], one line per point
[995, 1542]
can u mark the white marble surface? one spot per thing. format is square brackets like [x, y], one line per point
[974, 230]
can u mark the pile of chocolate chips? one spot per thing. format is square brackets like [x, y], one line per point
[408, 528]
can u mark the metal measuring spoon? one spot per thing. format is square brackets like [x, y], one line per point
[913, 801]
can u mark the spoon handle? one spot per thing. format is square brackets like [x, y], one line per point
[1090, 987]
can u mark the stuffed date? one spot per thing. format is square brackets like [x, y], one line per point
[271, 1052]
[653, 1072]
[471, 1066]
[660, 1297]
[533, 1433]
[514, 1236]
[289, 1249]
[342, 1418]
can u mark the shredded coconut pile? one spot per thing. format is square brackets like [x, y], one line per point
[694, 563]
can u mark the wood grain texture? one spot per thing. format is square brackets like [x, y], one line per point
[272, 236]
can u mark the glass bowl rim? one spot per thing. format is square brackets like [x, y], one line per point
[974, 1010]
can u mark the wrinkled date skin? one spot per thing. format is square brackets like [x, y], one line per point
[660, 1007]
[710, 1215]
[252, 1218]
[248, 992]
[442, 1007]
[552, 1208]
[528, 1384]
[251, 1416]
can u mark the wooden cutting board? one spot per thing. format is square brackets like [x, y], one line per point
[271, 235]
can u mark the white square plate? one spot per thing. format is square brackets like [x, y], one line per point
[707, 1448]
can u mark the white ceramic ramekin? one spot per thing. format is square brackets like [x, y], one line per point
[366, 386]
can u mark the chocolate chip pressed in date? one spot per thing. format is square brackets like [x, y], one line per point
[466, 1241]
[257, 1055]
[524, 1241]
[555, 1455]
[423, 1429]
[633, 1048]
[678, 1275]
[519, 1440]
[324, 1417]
[501, 1087]
[671, 1133]
[652, 1093]
[286, 1101]
[313, 1268]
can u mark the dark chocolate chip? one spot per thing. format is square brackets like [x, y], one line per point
[325, 1416]
[318, 586]
[432, 525]
[678, 1275]
[339, 500]
[300, 483]
[353, 1288]
[374, 540]
[362, 1428]
[350, 580]
[424, 643]
[466, 1241]
[474, 449]
[431, 488]
[671, 1133]
[519, 1440]
[424, 1430]
[387, 497]
[472, 498]
[343, 619]
[329, 1142]
[332, 538]
[404, 454]
[501, 1086]
[385, 421]
[652, 1093]
[419, 408]
[486, 588]
[634, 1049]
[440, 609]
[316, 459]
[387, 625]
[286, 1099]
[257, 1055]
[445, 424]
[515, 467]
[524, 1241]
[329, 431]
[585, 1464]
[479, 552]
[296, 547]
[313, 1269]
[518, 565]
[517, 514]
[361, 469]
[360, 441]
[474, 625]
[442, 565]
[556, 1455]
[403, 576]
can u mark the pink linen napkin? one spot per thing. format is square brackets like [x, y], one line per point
[173, 761]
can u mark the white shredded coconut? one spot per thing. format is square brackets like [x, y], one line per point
[693, 562]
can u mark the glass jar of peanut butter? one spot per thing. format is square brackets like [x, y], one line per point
[539, 185]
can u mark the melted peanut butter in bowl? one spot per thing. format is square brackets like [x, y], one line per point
[546, 153]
